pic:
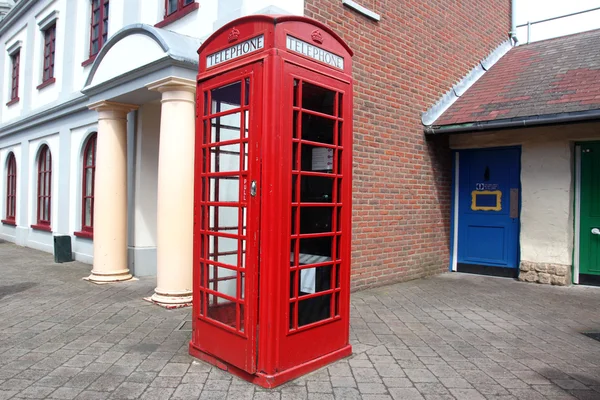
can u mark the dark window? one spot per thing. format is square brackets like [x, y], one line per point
[49, 47]
[99, 26]
[173, 6]
[11, 189]
[14, 93]
[44, 188]
[89, 172]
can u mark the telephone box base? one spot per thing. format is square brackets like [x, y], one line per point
[271, 381]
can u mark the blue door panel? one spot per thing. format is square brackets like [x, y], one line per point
[487, 232]
[486, 244]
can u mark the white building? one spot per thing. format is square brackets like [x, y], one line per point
[84, 74]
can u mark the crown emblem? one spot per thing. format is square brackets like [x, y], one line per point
[317, 36]
[233, 35]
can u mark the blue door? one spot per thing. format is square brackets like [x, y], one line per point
[488, 207]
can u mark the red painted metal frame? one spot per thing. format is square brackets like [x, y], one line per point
[49, 47]
[89, 163]
[182, 10]
[11, 190]
[44, 189]
[280, 353]
[14, 92]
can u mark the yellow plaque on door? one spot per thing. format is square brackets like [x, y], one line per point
[486, 200]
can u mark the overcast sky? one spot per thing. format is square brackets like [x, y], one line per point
[535, 10]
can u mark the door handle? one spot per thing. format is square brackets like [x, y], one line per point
[253, 189]
[595, 231]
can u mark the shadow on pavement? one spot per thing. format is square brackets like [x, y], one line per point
[16, 288]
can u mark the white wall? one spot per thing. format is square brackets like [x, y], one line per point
[8, 231]
[547, 180]
[146, 175]
[43, 96]
[14, 110]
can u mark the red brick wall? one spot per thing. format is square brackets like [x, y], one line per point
[402, 65]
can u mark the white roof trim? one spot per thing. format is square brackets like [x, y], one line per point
[444, 103]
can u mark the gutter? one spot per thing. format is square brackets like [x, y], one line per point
[521, 122]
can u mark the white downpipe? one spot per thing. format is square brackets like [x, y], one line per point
[455, 227]
[513, 22]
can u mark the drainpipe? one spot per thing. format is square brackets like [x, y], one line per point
[513, 23]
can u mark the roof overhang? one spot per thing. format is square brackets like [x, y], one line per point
[512, 123]
[137, 55]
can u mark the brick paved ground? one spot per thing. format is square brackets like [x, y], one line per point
[449, 337]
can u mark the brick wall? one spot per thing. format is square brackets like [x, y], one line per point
[402, 65]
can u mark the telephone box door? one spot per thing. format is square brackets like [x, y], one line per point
[227, 216]
[315, 109]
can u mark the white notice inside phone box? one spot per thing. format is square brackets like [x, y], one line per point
[322, 159]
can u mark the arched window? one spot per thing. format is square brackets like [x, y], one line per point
[11, 189]
[88, 175]
[44, 189]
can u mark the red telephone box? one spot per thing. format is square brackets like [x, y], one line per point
[273, 198]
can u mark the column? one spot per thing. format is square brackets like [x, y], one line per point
[110, 193]
[175, 201]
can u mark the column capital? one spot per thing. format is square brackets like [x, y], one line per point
[172, 83]
[105, 105]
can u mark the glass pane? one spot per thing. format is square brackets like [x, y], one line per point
[221, 310]
[314, 310]
[316, 189]
[47, 184]
[316, 219]
[296, 86]
[225, 158]
[315, 250]
[223, 280]
[247, 85]
[171, 6]
[317, 98]
[314, 280]
[225, 189]
[47, 209]
[227, 97]
[224, 219]
[318, 159]
[317, 129]
[89, 181]
[88, 212]
[225, 128]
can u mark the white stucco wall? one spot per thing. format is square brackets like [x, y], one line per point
[14, 110]
[547, 181]
[126, 55]
[146, 175]
[8, 232]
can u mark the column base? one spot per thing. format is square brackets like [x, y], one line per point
[114, 276]
[174, 299]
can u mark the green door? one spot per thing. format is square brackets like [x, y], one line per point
[589, 228]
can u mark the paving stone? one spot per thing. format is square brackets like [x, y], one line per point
[347, 393]
[92, 395]
[467, 394]
[129, 390]
[65, 393]
[36, 392]
[106, 383]
[156, 393]
[371, 388]
[319, 387]
[397, 382]
[437, 338]
[405, 394]
[420, 375]
[217, 385]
